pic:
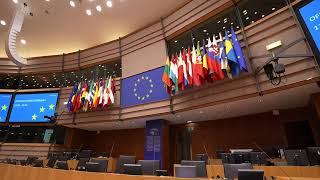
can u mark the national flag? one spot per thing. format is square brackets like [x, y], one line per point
[111, 90]
[180, 73]
[165, 76]
[231, 56]
[95, 97]
[205, 61]
[238, 50]
[214, 62]
[189, 67]
[90, 87]
[76, 99]
[101, 90]
[198, 75]
[173, 73]
[106, 93]
[223, 57]
[84, 95]
[71, 97]
[185, 68]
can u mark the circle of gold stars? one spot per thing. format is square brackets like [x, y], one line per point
[150, 90]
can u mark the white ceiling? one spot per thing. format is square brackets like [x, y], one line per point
[67, 29]
[267, 103]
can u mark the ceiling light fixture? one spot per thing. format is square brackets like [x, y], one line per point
[98, 8]
[72, 3]
[15, 1]
[189, 122]
[3, 23]
[23, 41]
[88, 11]
[109, 3]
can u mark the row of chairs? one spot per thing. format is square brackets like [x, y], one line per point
[300, 157]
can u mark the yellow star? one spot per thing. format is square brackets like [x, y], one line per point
[4, 108]
[51, 107]
[34, 117]
[42, 109]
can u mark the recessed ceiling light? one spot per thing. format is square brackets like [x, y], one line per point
[3, 23]
[72, 3]
[23, 41]
[98, 8]
[109, 3]
[47, 0]
[88, 11]
[273, 9]
[189, 122]
[15, 1]
[204, 30]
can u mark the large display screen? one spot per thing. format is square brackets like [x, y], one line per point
[31, 108]
[309, 15]
[5, 100]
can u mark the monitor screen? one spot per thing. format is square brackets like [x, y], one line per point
[31, 108]
[309, 15]
[5, 100]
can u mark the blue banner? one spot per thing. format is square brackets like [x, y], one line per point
[311, 16]
[33, 107]
[153, 140]
[143, 88]
[5, 100]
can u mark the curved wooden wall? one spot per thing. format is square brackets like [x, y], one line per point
[145, 50]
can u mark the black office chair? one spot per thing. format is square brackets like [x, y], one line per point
[259, 158]
[202, 157]
[149, 167]
[250, 174]
[62, 165]
[51, 161]
[124, 160]
[38, 163]
[82, 164]
[132, 169]
[201, 170]
[227, 158]
[30, 160]
[97, 165]
[297, 157]
[231, 170]
[183, 171]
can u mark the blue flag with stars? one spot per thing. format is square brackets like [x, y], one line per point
[33, 107]
[143, 88]
[5, 100]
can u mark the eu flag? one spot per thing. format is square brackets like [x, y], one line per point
[143, 88]
[5, 100]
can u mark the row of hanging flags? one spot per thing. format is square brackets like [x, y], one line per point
[90, 95]
[217, 60]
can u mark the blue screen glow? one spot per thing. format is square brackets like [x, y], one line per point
[33, 107]
[5, 100]
[311, 16]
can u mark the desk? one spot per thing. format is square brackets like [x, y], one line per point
[16, 172]
[283, 171]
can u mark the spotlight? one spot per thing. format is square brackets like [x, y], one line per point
[23, 41]
[109, 3]
[72, 3]
[98, 8]
[88, 11]
[3, 23]
[15, 1]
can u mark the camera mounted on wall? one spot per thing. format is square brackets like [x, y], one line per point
[274, 71]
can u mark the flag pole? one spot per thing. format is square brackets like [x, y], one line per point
[167, 54]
